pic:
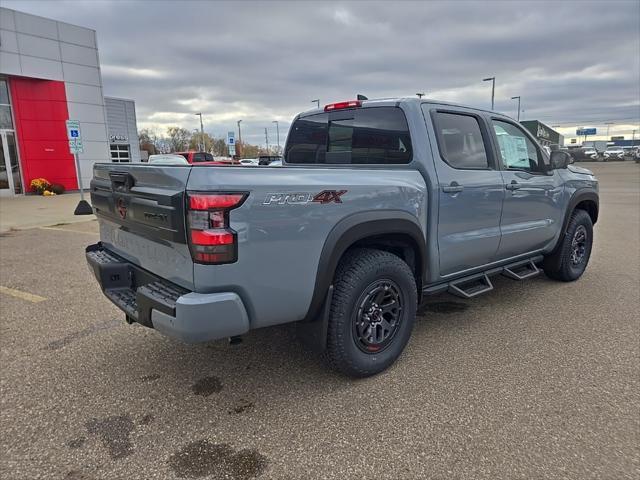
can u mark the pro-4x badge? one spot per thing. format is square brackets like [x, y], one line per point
[324, 197]
[329, 196]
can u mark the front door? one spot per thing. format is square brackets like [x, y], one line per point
[10, 181]
[470, 191]
[532, 213]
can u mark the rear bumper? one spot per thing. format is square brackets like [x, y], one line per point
[156, 303]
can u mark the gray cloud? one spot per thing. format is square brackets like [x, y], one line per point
[572, 62]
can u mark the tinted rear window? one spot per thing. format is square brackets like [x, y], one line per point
[202, 157]
[376, 135]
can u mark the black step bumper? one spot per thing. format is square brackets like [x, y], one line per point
[134, 290]
[157, 303]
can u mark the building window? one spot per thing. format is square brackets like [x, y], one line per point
[120, 153]
[5, 107]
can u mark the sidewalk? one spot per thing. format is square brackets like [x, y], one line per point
[29, 211]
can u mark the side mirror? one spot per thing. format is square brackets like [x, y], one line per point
[560, 159]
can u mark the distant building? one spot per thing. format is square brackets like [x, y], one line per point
[123, 130]
[545, 135]
[50, 73]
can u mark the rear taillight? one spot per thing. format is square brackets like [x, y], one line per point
[211, 239]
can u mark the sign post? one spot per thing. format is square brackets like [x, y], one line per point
[231, 143]
[75, 147]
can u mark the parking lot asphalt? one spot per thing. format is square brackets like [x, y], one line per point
[534, 380]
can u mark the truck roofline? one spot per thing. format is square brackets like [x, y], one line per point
[396, 101]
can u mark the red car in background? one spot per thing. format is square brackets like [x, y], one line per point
[204, 158]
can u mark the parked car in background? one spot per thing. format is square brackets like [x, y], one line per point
[249, 161]
[591, 153]
[267, 159]
[613, 153]
[201, 158]
[168, 159]
[276, 163]
[630, 152]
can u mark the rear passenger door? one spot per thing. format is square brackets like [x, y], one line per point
[470, 190]
[533, 208]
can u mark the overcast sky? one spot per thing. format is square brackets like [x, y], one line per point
[573, 63]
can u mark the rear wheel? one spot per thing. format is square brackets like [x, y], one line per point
[372, 312]
[570, 259]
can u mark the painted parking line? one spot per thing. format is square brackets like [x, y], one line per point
[29, 297]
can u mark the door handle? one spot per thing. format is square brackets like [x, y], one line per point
[453, 187]
[513, 185]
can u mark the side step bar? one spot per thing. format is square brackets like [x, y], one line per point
[522, 271]
[473, 285]
[470, 287]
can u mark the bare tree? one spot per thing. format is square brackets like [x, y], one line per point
[178, 138]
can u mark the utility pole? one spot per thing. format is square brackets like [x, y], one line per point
[239, 139]
[202, 145]
[277, 134]
[493, 89]
[608, 124]
[513, 98]
[266, 139]
[316, 101]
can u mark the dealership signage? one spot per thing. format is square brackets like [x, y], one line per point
[118, 138]
[75, 137]
[585, 131]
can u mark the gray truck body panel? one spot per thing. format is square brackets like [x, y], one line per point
[285, 240]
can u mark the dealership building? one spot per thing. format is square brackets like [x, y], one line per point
[50, 73]
[545, 135]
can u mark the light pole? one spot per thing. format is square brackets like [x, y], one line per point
[513, 98]
[608, 124]
[493, 88]
[420, 94]
[202, 145]
[239, 139]
[277, 134]
[266, 139]
[316, 101]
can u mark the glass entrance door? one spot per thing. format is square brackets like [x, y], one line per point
[10, 180]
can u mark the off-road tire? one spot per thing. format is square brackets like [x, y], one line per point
[559, 264]
[358, 271]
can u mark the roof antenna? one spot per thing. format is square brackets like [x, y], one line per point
[361, 97]
[420, 94]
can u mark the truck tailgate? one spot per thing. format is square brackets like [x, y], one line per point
[141, 210]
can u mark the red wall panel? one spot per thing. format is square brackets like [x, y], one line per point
[40, 111]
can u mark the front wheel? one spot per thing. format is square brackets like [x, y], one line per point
[570, 259]
[372, 312]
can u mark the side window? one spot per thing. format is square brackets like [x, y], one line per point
[307, 142]
[460, 141]
[198, 157]
[518, 152]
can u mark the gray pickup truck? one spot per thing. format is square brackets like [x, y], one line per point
[379, 203]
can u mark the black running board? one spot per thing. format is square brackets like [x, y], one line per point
[476, 284]
[470, 287]
[521, 271]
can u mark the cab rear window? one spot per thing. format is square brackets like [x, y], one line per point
[375, 135]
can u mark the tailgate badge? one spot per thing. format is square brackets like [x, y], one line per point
[121, 208]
